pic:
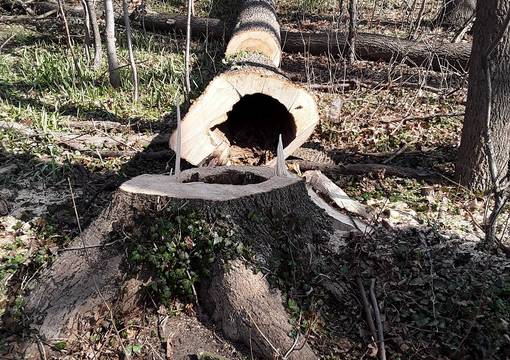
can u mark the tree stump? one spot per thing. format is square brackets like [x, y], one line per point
[86, 280]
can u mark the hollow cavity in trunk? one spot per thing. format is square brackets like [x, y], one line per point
[253, 126]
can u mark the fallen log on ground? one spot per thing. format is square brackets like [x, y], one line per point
[86, 284]
[243, 111]
[366, 169]
[373, 47]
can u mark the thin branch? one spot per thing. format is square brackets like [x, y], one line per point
[132, 63]
[68, 36]
[6, 41]
[418, 21]
[186, 54]
[380, 330]
[366, 307]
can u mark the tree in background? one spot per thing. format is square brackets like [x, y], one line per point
[456, 13]
[111, 50]
[98, 51]
[487, 98]
[132, 63]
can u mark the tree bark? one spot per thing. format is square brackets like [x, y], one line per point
[98, 50]
[111, 49]
[455, 13]
[472, 166]
[134, 73]
[353, 29]
[257, 30]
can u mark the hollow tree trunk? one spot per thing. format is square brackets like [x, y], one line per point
[472, 166]
[111, 49]
[87, 283]
[455, 13]
[242, 112]
[257, 30]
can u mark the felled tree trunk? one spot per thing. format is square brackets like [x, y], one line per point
[373, 47]
[85, 284]
[243, 111]
[257, 30]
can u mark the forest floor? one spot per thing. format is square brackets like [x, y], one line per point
[68, 141]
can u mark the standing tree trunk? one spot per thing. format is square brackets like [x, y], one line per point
[353, 25]
[87, 30]
[455, 13]
[472, 166]
[98, 51]
[111, 50]
[134, 73]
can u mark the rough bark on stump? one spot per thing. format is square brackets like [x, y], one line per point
[81, 284]
[257, 30]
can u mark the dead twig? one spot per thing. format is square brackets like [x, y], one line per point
[377, 314]
[6, 41]
[367, 308]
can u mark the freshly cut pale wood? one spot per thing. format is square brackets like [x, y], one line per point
[264, 94]
[257, 30]
[342, 222]
[325, 186]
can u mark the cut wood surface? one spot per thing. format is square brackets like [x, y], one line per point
[257, 30]
[329, 189]
[247, 107]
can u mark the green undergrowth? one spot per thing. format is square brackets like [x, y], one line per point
[177, 248]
